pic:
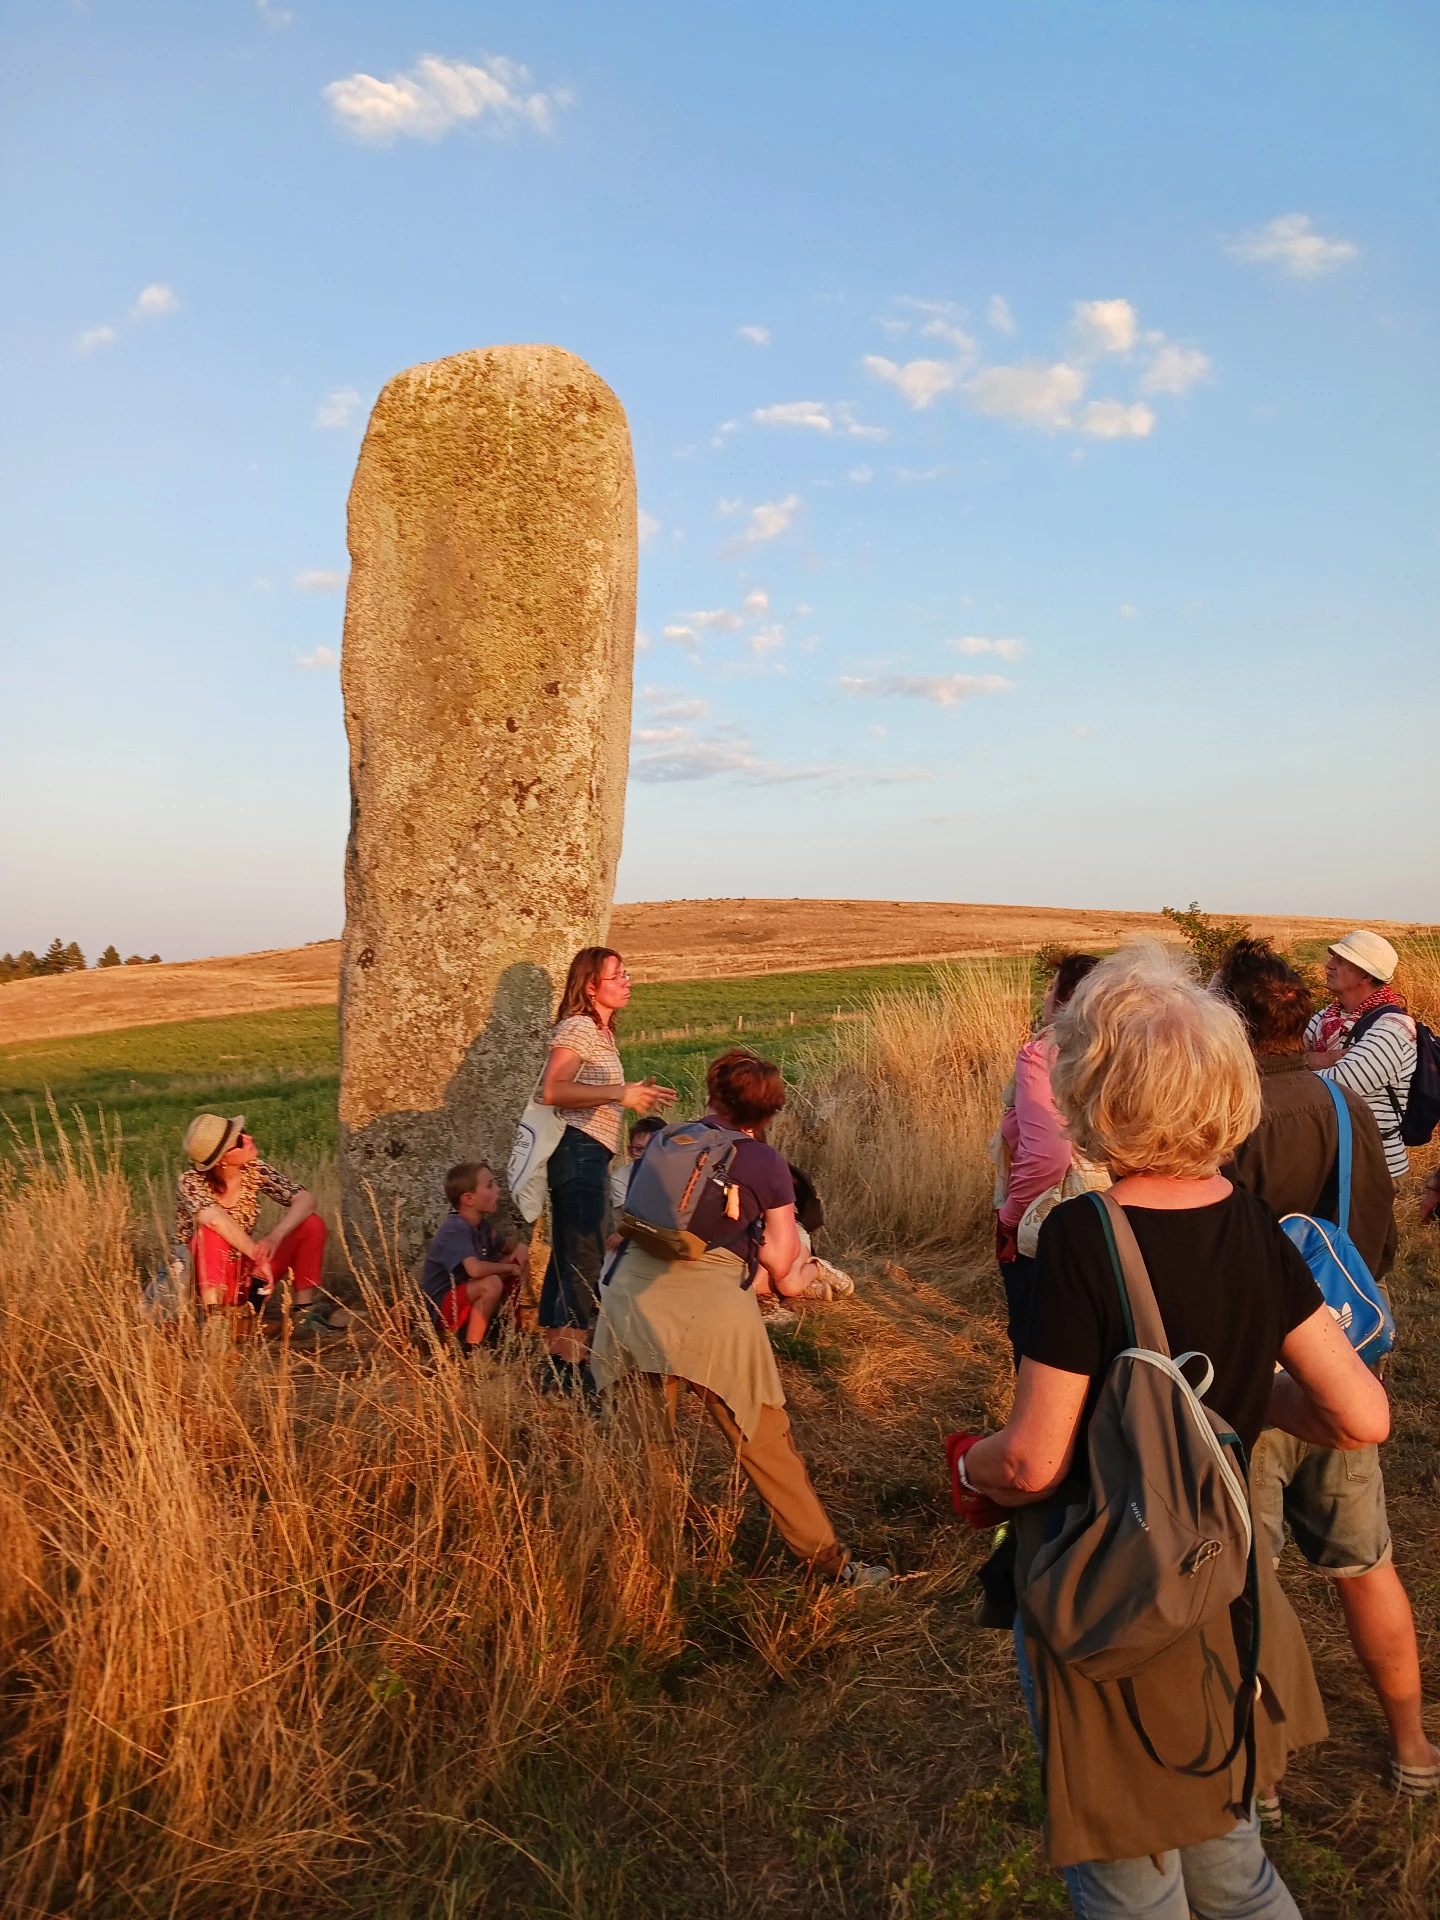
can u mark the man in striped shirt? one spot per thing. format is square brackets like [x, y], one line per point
[1379, 1065]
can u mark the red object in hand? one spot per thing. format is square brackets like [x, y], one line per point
[977, 1510]
[1007, 1247]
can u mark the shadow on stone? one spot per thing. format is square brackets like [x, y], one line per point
[401, 1158]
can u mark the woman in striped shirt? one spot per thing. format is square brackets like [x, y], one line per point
[1379, 1065]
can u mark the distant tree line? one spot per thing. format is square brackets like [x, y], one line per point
[64, 957]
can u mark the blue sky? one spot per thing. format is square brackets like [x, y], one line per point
[1034, 413]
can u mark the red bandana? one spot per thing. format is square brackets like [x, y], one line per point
[1335, 1022]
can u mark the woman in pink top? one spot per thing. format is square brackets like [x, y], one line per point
[1037, 1146]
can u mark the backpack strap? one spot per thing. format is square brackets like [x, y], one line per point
[1138, 1304]
[1342, 1173]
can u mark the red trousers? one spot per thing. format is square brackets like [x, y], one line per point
[221, 1268]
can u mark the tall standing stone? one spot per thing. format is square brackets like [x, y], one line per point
[489, 634]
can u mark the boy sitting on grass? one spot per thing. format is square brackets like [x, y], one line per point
[470, 1269]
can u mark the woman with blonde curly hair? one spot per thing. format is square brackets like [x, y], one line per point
[1156, 1081]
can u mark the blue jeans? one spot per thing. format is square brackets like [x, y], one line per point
[1226, 1879]
[579, 1176]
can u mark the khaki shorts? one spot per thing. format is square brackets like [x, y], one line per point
[1333, 1502]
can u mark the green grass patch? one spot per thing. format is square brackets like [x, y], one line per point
[281, 1069]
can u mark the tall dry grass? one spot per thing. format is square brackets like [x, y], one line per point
[892, 1120]
[264, 1624]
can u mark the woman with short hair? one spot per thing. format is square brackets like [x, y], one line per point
[1156, 1081]
[586, 1083]
[698, 1323]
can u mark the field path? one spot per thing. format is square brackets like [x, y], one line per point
[661, 940]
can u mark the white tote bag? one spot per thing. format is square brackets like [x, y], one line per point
[536, 1138]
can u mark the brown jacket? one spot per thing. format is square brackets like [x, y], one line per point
[1289, 1161]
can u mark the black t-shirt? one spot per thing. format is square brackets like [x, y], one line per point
[1228, 1283]
[764, 1182]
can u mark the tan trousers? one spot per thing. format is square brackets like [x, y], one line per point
[772, 1464]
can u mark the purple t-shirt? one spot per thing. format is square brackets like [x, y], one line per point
[764, 1182]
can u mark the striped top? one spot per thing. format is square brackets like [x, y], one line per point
[599, 1067]
[1379, 1068]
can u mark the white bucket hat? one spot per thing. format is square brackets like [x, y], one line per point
[1369, 952]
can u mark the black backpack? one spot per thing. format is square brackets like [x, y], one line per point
[1421, 1111]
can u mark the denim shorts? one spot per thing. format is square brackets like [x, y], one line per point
[1333, 1502]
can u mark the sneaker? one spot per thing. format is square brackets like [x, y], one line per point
[842, 1287]
[864, 1579]
[776, 1317]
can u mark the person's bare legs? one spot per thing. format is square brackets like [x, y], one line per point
[1382, 1632]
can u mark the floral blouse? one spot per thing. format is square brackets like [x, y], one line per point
[194, 1193]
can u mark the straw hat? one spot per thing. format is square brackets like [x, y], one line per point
[1368, 952]
[209, 1136]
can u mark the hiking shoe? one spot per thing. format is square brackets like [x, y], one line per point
[777, 1317]
[861, 1578]
[1269, 1812]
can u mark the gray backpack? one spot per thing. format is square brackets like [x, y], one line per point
[680, 1190]
[1162, 1543]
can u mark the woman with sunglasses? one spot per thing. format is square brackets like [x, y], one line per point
[586, 1083]
[218, 1204]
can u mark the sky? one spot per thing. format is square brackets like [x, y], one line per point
[1034, 412]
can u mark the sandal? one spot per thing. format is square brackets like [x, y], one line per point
[1415, 1782]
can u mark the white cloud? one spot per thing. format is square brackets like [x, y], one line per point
[795, 413]
[684, 756]
[1032, 395]
[646, 527]
[896, 329]
[757, 336]
[945, 689]
[920, 381]
[1127, 612]
[822, 415]
[436, 95]
[321, 657]
[767, 640]
[721, 618]
[665, 703]
[728, 507]
[101, 336]
[338, 408]
[642, 640]
[1291, 243]
[1105, 326]
[1000, 316]
[974, 643]
[755, 603]
[686, 636]
[274, 16]
[861, 474]
[948, 331]
[318, 580]
[1113, 420]
[878, 732]
[154, 300]
[1175, 370]
[770, 519]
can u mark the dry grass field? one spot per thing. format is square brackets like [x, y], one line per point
[369, 1632]
[661, 940]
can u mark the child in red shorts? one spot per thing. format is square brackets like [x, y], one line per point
[470, 1269]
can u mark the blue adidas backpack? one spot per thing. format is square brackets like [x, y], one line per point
[1350, 1291]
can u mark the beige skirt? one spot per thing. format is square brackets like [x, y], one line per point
[690, 1318]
